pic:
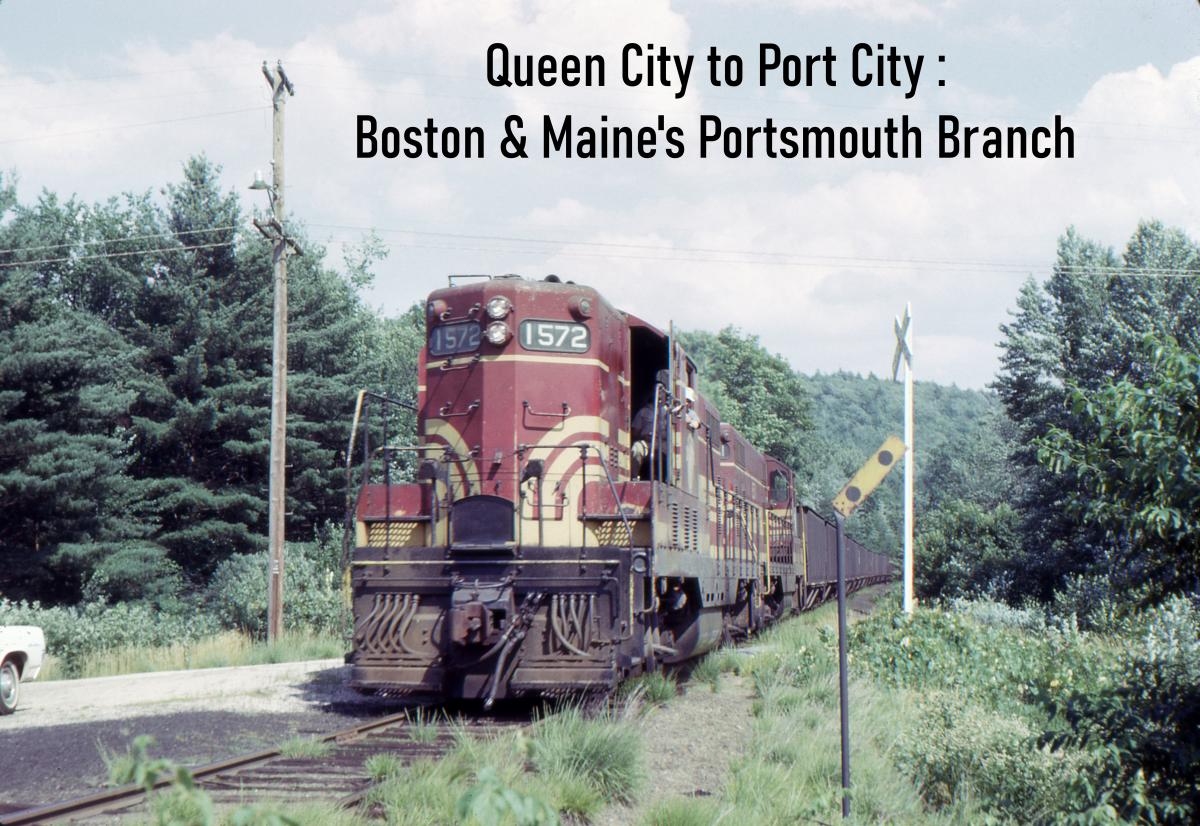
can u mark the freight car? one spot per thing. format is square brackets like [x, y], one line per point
[576, 510]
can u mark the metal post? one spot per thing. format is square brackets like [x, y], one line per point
[843, 677]
[908, 465]
[904, 352]
[281, 87]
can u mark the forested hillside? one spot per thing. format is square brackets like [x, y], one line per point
[826, 425]
[960, 447]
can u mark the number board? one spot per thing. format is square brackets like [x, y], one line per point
[555, 336]
[449, 339]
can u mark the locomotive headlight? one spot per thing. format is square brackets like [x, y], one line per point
[498, 332]
[499, 307]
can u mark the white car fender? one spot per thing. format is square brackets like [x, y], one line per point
[26, 644]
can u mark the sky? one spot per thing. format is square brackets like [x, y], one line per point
[814, 256]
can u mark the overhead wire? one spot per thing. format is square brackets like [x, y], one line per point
[97, 101]
[118, 127]
[16, 264]
[698, 255]
[92, 242]
[560, 247]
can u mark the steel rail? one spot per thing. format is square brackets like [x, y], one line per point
[124, 797]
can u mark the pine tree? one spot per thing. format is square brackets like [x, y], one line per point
[65, 389]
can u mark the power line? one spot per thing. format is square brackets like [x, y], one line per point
[172, 234]
[209, 68]
[99, 101]
[704, 255]
[135, 125]
[15, 264]
[700, 255]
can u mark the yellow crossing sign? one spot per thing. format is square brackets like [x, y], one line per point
[868, 477]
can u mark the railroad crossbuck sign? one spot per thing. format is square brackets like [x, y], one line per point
[868, 477]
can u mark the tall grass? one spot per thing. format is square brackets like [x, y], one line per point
[569, 763]
[223, 649]
[605, 752]
[655, 688]
[682, 811]
[423, 724]
[790, 772]
[305, 748]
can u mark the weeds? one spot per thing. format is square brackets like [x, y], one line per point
[606, 753]
[423, 724]
[218, 650]
[304, 748]
[682, 811]
[491, 802]
[382, 766]
[655, 688]
[425, 793]
[708, 671]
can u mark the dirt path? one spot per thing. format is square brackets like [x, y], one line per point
[690, 742]
[281, 687]
[689, 745]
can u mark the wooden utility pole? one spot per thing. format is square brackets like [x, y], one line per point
[281, 88]
[904, 352]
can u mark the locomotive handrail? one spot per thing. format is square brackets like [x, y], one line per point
[450, 278]
[566, 410]
[444, 411]
[583, 449]
[446, 366]
[472, 311]
[364, 395]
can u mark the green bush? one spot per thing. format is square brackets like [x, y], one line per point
[1145, 720]
[956, 747]
[996, 664]
[1050, 721]
[237, 592]
[999, 614]
[72, 633]
[967, 550]
[1097, 602]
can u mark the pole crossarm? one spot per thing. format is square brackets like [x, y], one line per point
[278, 81]
[272, 230]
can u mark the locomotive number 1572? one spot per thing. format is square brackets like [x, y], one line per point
[556, 336]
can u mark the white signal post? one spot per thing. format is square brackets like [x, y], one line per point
[903, 329]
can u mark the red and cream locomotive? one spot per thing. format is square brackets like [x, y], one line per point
[580, 513]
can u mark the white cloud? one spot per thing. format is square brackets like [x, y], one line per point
[869, 233]
[901, 11]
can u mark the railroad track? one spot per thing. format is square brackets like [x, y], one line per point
[338, 776]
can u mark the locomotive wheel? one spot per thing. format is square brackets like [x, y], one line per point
[10, 687]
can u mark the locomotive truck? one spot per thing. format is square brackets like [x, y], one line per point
[573, 512]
